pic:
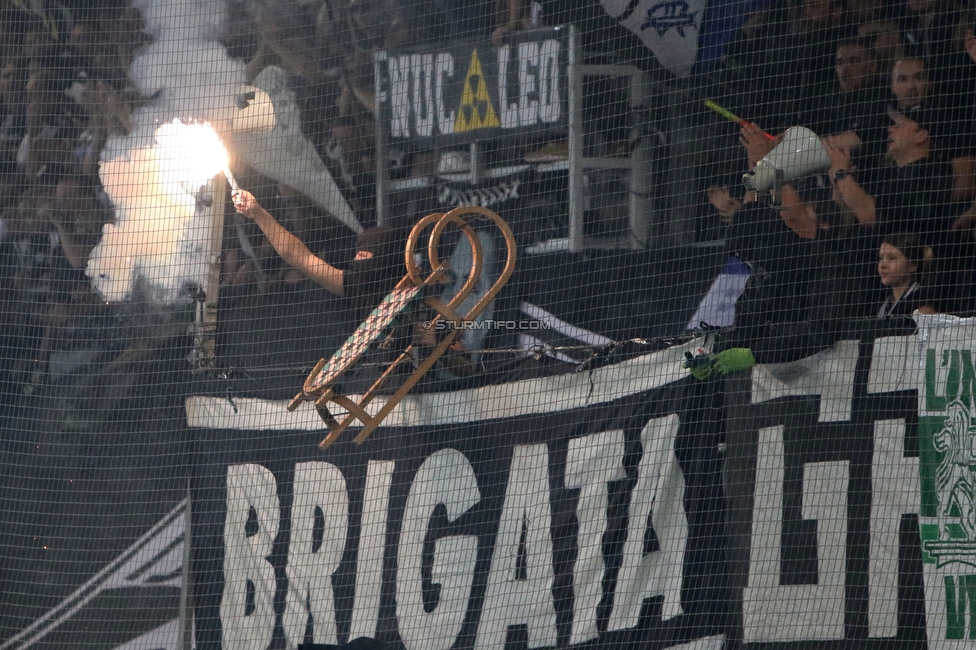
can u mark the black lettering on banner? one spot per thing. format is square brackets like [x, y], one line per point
[609, 513]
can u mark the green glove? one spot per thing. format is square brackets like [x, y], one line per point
[700, 366]
[702, 372]
[733, 360]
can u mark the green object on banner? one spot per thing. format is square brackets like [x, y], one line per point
[700, 365]
[733, 360]
[702, 372]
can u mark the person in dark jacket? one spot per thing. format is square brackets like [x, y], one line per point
[776, 242]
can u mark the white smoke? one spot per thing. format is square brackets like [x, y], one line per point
[161, 236]
[158, 235]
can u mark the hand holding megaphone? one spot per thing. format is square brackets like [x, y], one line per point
[756, 143]
[800, 153]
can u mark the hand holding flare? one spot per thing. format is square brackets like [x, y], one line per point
[234, 187]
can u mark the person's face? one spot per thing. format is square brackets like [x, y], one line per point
[904, 135]
[909, 83]
[854, 67]
[363, 255]
[894, 269]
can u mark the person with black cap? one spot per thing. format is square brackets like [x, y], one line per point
[911, 194]
[377, 267]
[911, 94]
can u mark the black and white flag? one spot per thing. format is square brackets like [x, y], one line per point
[573, 511]
[669, 28]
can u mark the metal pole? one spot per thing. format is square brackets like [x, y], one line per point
[186, 615]
[205, 322]
[683, 150]
[382, 173]
[642, 226]
[575, 146]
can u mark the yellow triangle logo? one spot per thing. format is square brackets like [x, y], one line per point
[476, 110]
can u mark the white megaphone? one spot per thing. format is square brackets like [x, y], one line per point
[799, 154]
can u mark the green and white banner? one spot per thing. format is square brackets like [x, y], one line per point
[947, 468]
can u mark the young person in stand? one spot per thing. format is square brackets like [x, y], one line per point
[901, 261]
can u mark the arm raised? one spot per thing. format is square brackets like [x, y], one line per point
[288, 246]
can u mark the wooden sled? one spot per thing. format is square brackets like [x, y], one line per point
[321, 386]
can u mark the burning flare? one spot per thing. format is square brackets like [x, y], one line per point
[190, 154]
[161, 240]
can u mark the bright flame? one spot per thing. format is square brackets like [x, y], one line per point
[190, 154]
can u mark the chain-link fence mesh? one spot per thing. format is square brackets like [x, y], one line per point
[687, 363]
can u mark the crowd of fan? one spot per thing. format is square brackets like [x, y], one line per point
[888, 83]
[889, 87]
[65, 90]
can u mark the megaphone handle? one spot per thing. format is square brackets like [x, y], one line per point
[778, 183]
